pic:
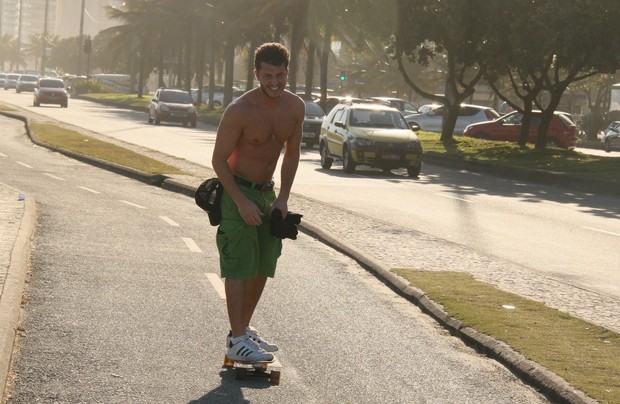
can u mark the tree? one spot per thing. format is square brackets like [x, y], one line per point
[452, 29]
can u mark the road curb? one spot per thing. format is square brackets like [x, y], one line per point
[561, 179]
[547, 382]
[14, 287]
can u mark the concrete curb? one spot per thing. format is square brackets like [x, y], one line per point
[547, 382]
[560, 179]
[11, 301]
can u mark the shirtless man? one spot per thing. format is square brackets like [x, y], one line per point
[250, 137]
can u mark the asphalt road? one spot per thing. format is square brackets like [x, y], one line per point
[551, 231]
[124, 305]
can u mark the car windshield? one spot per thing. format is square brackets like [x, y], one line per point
[313, 109]
[52, 83]
[28, 78]
[377, 119]
[175, 97]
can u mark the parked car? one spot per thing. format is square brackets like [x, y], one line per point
[312, 123]
[10, 81]
[169, 105]
[50, 91]
[369, 134]
[26, 82]
[218, 95]
[562, 131]
[2, 79]
[334, 100]
[432, 119]
[404, 106]
[611, 138]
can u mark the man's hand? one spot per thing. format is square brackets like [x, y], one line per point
[279, 203]
[250, 213]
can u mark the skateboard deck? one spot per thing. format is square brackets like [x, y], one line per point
[255, 370]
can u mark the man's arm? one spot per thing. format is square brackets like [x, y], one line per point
[290, 160]
[228, 134]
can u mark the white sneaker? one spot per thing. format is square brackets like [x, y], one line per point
[253, 334]
[243, 349]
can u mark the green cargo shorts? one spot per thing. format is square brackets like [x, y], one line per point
[247, 251]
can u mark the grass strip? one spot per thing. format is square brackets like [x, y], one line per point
[71, 140]
[583, 354]
[509, 153]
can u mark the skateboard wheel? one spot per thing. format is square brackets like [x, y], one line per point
[229, 363]
[274, 377]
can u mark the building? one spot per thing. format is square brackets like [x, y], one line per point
[22, 18]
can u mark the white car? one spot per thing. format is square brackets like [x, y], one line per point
[431, 119]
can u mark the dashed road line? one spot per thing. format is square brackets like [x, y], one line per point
[133, 204]
[217, 284]
[89, 190]
[602, 231]
[191, 244]
[23, 164]
[3, 155]
[54, 177]
[169, 221]
[454, 197]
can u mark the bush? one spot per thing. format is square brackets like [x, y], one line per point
[85, 87]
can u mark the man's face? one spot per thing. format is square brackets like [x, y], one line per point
[272, 79]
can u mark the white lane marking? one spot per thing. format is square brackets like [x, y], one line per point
[54, 177]
[454, 197]
[89, 190]
[169, 221]
[3, 155]
[602, 231]
[23, 164]
[191, 244]
[133, 204]
[217, 284]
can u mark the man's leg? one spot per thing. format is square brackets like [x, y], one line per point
[242, 296]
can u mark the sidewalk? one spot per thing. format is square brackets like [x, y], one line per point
[389, 247]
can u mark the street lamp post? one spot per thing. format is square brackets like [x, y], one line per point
[81, 40]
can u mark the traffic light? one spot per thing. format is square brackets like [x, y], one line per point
[343, 75]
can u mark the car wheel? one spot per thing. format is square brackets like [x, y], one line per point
[309, 144]
[552, 142]
[65, 105]
[348, 165]
[326, 161]
[18, 91]
[386, 170]
[36, 104]
[483, 136]
[193, 124]
[157, 120]
[150, 120]
[414, 171]
[217, 104]
[607, 147]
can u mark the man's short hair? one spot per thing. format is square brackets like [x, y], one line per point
[273, 53]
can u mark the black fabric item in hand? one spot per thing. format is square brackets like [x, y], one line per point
[284, 228]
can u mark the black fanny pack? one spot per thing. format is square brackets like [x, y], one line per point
[208, 197]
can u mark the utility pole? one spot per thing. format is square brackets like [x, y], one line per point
[19, 35]
[44, 39]
[81, 44]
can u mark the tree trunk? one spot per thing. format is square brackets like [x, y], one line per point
[229, 71]
[526, 121]
[310, 68]
[325, 50]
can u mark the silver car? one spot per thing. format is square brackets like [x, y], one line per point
[611, 138]
[431, 119]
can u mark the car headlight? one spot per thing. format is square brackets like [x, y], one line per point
[417, 146]
[192, 110]
[164, 107]
[364, 142]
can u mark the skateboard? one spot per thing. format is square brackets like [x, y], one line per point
[254, 370]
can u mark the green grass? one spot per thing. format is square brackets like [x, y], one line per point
[89, 146]
[583, 354]
[507, 153]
